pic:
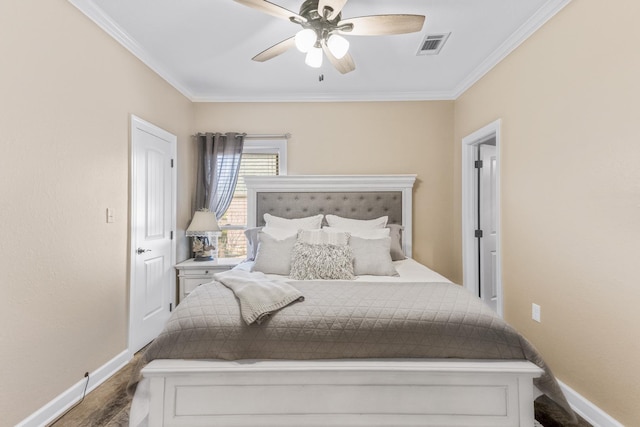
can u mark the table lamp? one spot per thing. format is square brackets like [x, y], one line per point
[204, 231]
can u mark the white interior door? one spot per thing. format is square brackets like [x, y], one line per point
[152, 223]
[490, 137]
[487, 209]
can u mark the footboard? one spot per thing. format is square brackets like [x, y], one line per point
[407, 392]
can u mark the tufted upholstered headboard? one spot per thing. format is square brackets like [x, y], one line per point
[350, 196]
[358, 205]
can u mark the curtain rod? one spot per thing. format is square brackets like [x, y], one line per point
[265, 136]
[269, 136]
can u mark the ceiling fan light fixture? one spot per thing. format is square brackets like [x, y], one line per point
[306, 39]
[314, 57]
[338, 45]
[322, 21]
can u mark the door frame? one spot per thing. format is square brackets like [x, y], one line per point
[138, 123]
[470, 205]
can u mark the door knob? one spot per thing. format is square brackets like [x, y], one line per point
[141, 251]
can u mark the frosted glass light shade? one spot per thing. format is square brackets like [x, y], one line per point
[338, 45]
[314, 57]
[306, 39]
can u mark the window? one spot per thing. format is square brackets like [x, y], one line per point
[259, 157]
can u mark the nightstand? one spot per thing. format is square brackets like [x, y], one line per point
[192, 274]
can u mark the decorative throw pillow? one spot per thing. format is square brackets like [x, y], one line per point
[395, 232]
[318, 237]
[350, 223]
[372, 257]
[363, 233]
[273, 256]
[312, 262]
[308, 223]
[252, 242]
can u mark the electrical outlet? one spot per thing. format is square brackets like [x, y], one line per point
[535, 312]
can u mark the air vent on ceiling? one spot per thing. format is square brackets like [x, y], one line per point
[432, 44]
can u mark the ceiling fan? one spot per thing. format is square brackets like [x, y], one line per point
[323, 27]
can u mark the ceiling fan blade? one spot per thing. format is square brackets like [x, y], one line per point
[383, 25]
[336, 5]
[344, 65]
[275, 50]
[272, 9]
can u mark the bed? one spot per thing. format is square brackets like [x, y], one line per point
[354, 352]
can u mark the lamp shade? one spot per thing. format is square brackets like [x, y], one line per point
[204, 222]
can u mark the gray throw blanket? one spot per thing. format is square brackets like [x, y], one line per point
[258, 295]
[347, 319]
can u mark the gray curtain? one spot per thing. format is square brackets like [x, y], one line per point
[219, 158]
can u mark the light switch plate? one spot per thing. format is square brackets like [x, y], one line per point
[110, 217]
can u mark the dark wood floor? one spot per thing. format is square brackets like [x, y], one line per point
[108, 406]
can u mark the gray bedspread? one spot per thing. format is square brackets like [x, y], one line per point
[347, 319]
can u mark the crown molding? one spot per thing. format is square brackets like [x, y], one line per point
[545, 13]
[331, 97]
[93, 12]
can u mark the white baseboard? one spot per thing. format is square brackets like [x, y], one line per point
[587, 410]
[67, 399]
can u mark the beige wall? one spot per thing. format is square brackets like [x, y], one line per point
[364, 138]
[570, 197]
[568, 100]
[66, 92]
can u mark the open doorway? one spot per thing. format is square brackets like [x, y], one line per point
[482, 268]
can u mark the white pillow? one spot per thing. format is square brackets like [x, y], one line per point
[371, 233]
[280, 233]
[322, 237]
[372, 257]
[396, 241]
[274, 255]
[350, 224]
[308, 223]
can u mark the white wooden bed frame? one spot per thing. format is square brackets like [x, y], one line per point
[376, 392]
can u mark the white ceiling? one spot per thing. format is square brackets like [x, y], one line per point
[204, 47]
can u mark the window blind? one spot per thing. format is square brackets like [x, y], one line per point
[232, 243]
